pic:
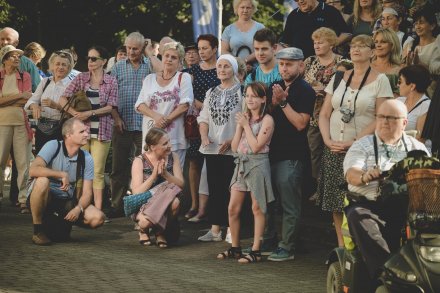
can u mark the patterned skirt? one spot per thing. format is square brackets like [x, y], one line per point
[332, 186]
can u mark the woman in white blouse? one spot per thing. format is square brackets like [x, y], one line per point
[45, 100]
[414, 80]
[348, 113]
[217, 128]
[165, 97]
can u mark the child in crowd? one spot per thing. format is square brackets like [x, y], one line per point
[252, 171]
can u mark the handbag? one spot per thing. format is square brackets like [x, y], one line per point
[49, 126]
[80, 102]
[191, 127]
[132, 203]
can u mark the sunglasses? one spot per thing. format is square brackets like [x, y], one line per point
[64, 54]
[93, 58]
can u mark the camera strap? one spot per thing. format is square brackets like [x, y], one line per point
[360, 87]
[376, 151]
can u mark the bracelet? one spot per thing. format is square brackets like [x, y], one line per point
[80, 208]
[362, 179]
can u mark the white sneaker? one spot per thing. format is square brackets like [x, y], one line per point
[209, 237]
[228, 238]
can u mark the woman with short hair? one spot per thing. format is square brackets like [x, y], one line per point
[348, 113]
[237, 38]
[44, 102]
[15, 90]
[165, 97]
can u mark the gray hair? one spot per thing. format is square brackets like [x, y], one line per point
[136, 37]
[175, 46]
[64, 55]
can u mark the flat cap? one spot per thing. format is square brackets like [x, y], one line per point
[290, 53]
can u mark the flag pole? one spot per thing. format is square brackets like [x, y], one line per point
[220, 20]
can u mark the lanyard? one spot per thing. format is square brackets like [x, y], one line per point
[376, 152]
[360, 87]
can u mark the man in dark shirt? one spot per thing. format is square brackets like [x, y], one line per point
[293, 100]
[308, 17]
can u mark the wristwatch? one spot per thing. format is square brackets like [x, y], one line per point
[283, 104]
[93, 113]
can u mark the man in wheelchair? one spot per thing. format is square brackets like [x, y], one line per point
[374, 221]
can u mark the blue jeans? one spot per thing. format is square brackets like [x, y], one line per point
[287, 179]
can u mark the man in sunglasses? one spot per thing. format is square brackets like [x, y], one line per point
[376, 224]
[308, 17]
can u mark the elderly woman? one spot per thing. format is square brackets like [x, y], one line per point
[156, 165]
[102, 91]
[44, 102]
[191, 57]
[348, 113]
[15, 90]
[165, 97]
[392, 18]
[386, 57]
[425, 49]
[365, 15]
[204, 76]
[413, 83]
[237, 38]
[319, 69]
[217, 128]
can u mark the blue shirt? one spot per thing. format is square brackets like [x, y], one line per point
[129, 86]
[267, 78]
[62, 162]
[27, 65]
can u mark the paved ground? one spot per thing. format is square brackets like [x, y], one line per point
[111, 260]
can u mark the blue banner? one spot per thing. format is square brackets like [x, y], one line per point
[205, 17]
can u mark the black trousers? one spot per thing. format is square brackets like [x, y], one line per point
[219, 169]
[377, 229]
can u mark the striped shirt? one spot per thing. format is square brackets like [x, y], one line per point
[108, 95]
[93, 95]
[130, 83]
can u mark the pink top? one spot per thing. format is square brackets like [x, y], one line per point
[243, 146]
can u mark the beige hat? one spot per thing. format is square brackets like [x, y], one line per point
[6, 49]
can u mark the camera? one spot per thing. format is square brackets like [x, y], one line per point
[347, 114]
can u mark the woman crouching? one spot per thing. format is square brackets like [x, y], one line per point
[154, 166]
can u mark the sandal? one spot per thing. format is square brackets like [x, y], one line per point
[24, 209]
[190, 214]
[233, 252]
[162, 244]
[144, 242]
[253, 256]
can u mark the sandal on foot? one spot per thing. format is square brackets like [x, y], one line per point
[233, 252]
[253, 256]
[162, 244]
[145, 242]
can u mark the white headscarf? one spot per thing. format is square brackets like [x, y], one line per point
[231, 59]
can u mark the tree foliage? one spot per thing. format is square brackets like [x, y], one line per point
[82, 23]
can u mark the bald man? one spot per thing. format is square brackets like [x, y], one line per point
[374, 224]
[9, 36]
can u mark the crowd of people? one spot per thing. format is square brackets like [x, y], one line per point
[251, 115]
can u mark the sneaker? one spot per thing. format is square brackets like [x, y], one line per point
[197, 219]
[40, 239]
[209, 237]
[280, 254]
[228, 238]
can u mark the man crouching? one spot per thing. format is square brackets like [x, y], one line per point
[55, 173]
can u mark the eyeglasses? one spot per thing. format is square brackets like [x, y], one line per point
[191, 53]
[93, 58]
[389, 118]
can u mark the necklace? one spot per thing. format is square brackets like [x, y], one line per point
[170, 77]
